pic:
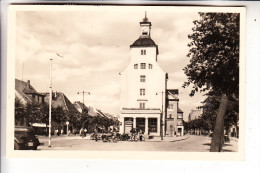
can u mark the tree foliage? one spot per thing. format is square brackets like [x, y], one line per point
[214, 63]
[214, 53]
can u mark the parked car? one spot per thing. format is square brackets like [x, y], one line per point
[25, 139]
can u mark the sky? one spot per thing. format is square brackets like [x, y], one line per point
[95, 45]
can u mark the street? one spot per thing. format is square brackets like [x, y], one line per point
[186, 143]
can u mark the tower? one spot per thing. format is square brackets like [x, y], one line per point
[141, 107]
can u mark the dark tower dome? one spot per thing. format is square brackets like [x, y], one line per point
[145, 42]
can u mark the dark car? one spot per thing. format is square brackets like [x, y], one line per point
[25, 139]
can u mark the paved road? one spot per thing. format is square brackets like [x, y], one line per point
[191, 144]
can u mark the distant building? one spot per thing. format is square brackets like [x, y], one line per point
[25, 93]
[174, 117]
[194, 114]
[59, 99]
[145, 99]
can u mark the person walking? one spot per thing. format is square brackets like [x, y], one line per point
[85, 132]
[96, 134]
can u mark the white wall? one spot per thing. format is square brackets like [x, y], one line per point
[131, 85]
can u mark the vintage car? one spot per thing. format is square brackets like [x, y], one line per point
[25, 139]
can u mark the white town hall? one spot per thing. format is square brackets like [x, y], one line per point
[146, 103]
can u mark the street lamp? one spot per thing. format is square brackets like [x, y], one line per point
[161, 117]
[83, 92]
[50, 99]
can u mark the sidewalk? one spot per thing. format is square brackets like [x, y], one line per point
[167, 138]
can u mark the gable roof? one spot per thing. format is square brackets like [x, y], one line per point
[24, 88]
[60, 99]
[79, 106]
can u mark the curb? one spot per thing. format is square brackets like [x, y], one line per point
[175, 140]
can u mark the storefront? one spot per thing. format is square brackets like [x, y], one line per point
[146, 120]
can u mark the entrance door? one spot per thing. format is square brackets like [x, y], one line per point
[140, 124]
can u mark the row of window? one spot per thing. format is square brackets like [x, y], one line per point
[143, 52]
[143, 66]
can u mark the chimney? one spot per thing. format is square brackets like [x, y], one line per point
[28, 84]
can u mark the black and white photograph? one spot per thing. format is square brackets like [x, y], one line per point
[126, 78]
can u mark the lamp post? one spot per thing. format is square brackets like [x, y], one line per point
[83, 92]
[50, 99]
[50, 102]
[161, 117]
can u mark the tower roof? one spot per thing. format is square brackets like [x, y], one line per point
[145, 42]
[145, 21]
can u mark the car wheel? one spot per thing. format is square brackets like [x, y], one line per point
[17, 146]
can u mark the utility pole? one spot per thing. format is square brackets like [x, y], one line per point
[161, 117]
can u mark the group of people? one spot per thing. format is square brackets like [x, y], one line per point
[135, 134]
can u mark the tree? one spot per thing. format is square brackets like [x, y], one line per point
[214, 63]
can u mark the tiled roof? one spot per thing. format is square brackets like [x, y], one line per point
[24, 88]
[145, 42]
[92, 112]
[60, 99]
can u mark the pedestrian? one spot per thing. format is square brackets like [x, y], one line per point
[85, 132]
[81, 133]
[96, 134]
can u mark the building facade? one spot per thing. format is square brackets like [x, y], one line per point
[144, 87]
[25, 93]
[174, 115]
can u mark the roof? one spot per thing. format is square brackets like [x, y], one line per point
[145, 20]
[173, 93]
[60, 99]
[144, 42]
[179, 110]
[24, 88]
[79, 106]
[92, 112]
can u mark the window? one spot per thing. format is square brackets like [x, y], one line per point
[152, 124]
[143, 65]
[142, 92]
[142, 78]
[170, 106]
[143, 52]
[142, 105]
[150, 66]
[170, 116]
[145, 33]
[136, 66]
[153, 121]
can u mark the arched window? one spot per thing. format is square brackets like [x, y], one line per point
[136, 66]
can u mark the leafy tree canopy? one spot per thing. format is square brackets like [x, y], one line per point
[214, 53]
